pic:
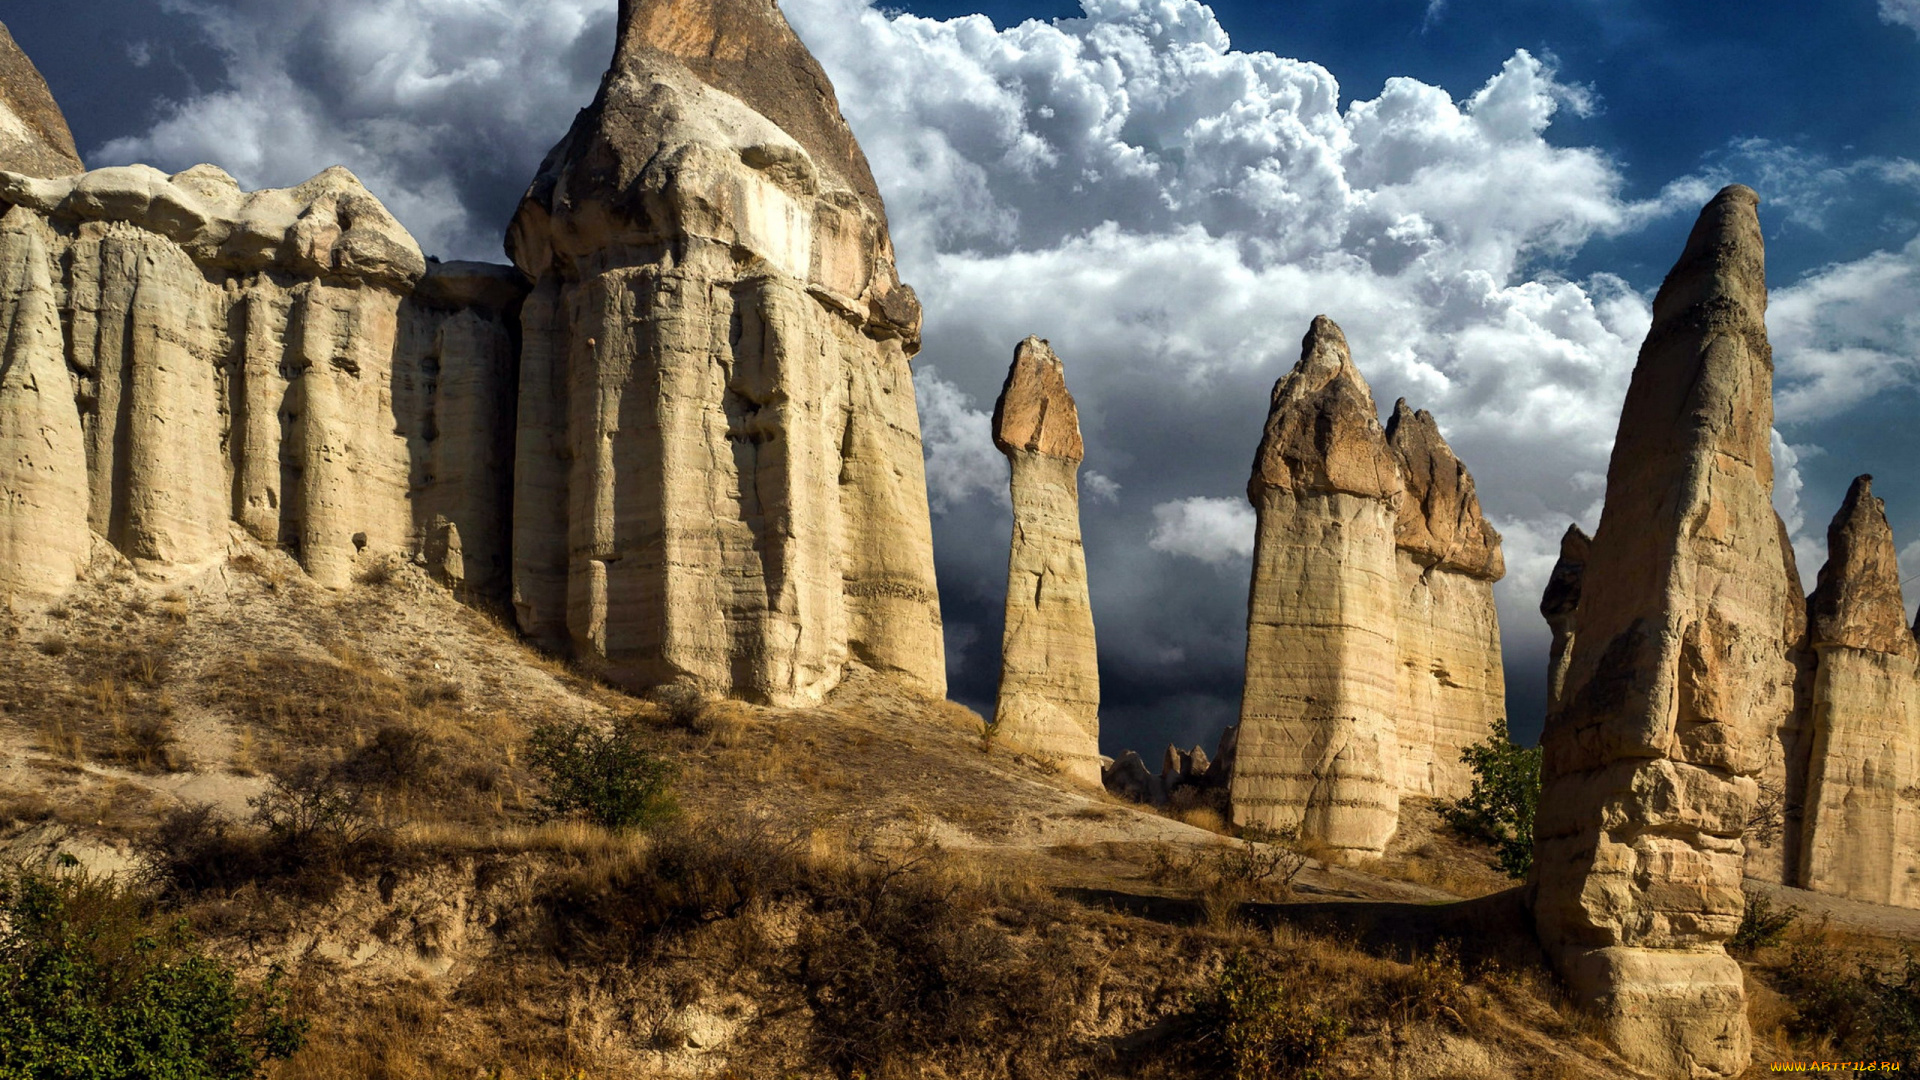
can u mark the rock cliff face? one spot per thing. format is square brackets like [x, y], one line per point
[1317, 744]
[188, 355]
[1678, 680]
[34, 139]
[719, 478]
[1860, 835]
[1559, 603]
[1049, 669]
[1452, 684]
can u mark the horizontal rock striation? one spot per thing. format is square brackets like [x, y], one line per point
[1049, 698]
[719, 480]
[193, 355]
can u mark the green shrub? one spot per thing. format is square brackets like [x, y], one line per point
[1250, 1026]
[609, 777]
[94, 985]
[1500, 808]
[1760, 924]
[1873, 1012]
[309, 834]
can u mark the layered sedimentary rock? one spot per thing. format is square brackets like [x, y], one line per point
[1678, 679]
[1317, 746]
[1049, 670]
[719, 480]
[1559, 603]
[1860, 835]
[34, 139]
[188, 355]
[1452, 685]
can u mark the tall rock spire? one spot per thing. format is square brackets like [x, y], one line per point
[1049, 670]
[1679, 677]
[34, 139]
[719, 480]
[1317, 746]
[1559, 603]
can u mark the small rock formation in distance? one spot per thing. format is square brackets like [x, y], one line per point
[719, 481]
[34, 139]
[1678, 679]
[1049, 698]
[1558, 604]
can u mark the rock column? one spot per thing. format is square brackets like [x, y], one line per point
[1049, 671]
[1317, 746]
[1679, 677]
[1558, 604]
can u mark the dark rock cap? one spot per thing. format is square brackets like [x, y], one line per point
[1441, 523]
[1857, 601]
[44, 146]
[1035, 412]
[1323, 432]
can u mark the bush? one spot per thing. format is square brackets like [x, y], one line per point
[1250, 1027]
[1760, 924]
[1873, 1013]
[94, 986]
[1500, 808]
[608, 777]
[307, 834]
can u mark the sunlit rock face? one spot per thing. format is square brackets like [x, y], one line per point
[1860, 835]
[1049, 698]
[718, 478]
[1678, 680]
[34, 139]
[184, 356]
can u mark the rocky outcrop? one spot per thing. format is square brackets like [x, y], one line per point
[192, 355]
[1317, 747]
[1860, 835]
[34, 139]
[719, 480]
[1452, 686]
[1678, 680]
[1559, 603]
[1049, 670]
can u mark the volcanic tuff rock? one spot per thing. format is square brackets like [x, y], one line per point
[719, 476]
[33, 134]
[187, 354]
[1860, 837]
[1452, 684]
[1049, 669]
[1559, 603]
[1679, 679]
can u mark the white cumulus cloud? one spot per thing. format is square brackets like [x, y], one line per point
[1208, 529]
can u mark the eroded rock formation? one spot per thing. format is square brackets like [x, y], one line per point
[1559, 603]
[719, 478]
[1049, 670]
[1678, 679]
[187, 355]
[34, 139]
[1860, 835]
[1452, 685]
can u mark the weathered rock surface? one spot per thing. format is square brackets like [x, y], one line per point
[719, 478]
[192, 355]
[1317, 746]
[1452, 683]
[1559, 603]
[1678, 680]
[33, 133]
[1049, 669]
[1860, 835]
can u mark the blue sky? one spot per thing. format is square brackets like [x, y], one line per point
[1485, 195]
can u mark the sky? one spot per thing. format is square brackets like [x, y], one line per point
[1484, 194]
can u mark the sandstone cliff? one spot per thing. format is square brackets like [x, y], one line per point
[1860, 835]
[189, 355]
[1317, 745]
[33, 134]
[719, 480]
[1559, 603]
[1678, 680]
[1452, 685]
[1049, 696]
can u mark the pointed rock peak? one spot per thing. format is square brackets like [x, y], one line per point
[1440, 523]
[1323, 432]
[1857, 602]
[1035, 412]
[1724, 264]
[1562, 594]
[34, 139]
[745, 48]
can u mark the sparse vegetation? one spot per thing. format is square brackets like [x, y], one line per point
[96, 985]
[1761, 924]
[1501, 805]
[1251, 1026]
[609, 777]
[1867, 1006]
